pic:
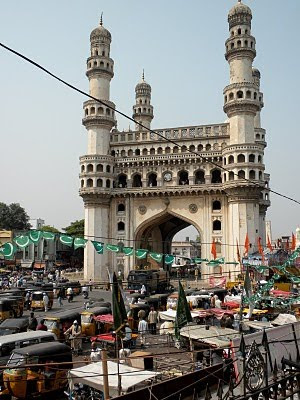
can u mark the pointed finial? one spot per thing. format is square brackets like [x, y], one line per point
[143, 76]
[101, 19]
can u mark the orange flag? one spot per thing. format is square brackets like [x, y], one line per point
[238, 252]
[270, 247]
[293, 242]
[260, 249]
[214, 249]
[246, 245]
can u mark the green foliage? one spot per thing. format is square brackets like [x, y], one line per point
[76, 228]
[13, 217]
[48, 228]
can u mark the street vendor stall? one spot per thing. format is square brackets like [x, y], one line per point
[92, 375]
[214, 336]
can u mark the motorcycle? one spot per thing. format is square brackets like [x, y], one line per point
[83, 392]
[70, 297]
[85, 294]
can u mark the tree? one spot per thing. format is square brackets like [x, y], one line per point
[76, 228]
[13, 217]
[48, 228]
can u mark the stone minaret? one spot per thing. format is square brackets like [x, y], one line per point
[143, 111]
[97, 167]
[244, 154]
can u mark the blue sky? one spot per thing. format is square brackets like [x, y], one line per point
[180, 45]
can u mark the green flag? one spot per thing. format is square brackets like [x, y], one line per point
[200, 260]
[8, 249]
[79, 242]
[183, 313]
[118, 307]
[66, 240]
[128, 251]
[141, 253]
[49, 235]
[22, 241]
[98, 246]
[217, 261]
[112, 247]
[35, 236]
[156, 256]
[169, 259]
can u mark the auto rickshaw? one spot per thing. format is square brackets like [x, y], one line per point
[7, 308]
[89, 325]
[60, 322]
[158, 301]
[14, 325]
[24, 382]
[17, 303]
[37, 300]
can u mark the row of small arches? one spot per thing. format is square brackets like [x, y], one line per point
[241, 174]
[240, 44]
[99, 111]
[240, 32]
[96, 52]
[97, 168]
[168, 150]
[139, 110]
[99, 183]
[240, 94]
[241, 158]
[100, 64]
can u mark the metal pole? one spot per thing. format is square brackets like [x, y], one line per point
[105, 374]
[118, 366]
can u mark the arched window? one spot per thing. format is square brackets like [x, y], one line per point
[183, 178]
[90, 168]
[216, 176]
[200, 147]
[122, 181]
[121, 207]
[199, 177]
[255, 95]
[99, 182]
[246, 31]
[89, 183]
[130, 153]
[259, 159]
[123, 153]
[121, 226]
[241, 158]
[257, 136]
[224, 161]
[251, 158]
[246, 43]
[152, 151]
[152, 179]
[82, 168]
[231, 176]
[260, 175]
[107, 111]
[192, 148]
[241, 174]
[101, 64]
[86, 111]
[207, 147]
[159, 150]
[103, 53]
[240, 94]
[183, 149]
[99, 168]
[108, 168]
[252, 174]
[82, 182]
[145, 152]
[239, 43]
[167, 150]
[232, 45]
[100, 110]
[137, 152]
[108, 183]
[93, 110]
[137, 181]
[113, 153]
[239, 31]
[248, 94]
[95, 63]
[217, 225]
[231, 96]
[216, 205]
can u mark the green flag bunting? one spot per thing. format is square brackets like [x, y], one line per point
[66, 240]
[169, 259]
[22, 241]
[128, 251]
[79, 242]
[35, 236]
[156, 256]
[217, 261]
[8, 250]
[183, 313]
[141, 253]
[98, 246]
[112, 247]
[49, 235]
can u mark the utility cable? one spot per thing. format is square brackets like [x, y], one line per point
[138, 123]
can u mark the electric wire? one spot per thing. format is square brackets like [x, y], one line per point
[37, 65]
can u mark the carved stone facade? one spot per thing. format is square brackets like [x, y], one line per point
[141, 189]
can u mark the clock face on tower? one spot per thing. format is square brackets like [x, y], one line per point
[167, 176]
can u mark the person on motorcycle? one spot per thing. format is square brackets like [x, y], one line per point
[85, 292]
[70, 294]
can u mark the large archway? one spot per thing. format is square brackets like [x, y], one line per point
[157, 233]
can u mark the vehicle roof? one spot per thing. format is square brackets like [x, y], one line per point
[14, 323]
[94, 310]
[15, 337]
[64, 315]
[53, 348]
[7, 299]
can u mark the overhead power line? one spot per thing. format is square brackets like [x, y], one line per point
[137, 122]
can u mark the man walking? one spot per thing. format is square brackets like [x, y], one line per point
[152, 319]
[46, 301]
[75, 335]
[142, 329]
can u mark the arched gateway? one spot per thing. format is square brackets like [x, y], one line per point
[140, 190]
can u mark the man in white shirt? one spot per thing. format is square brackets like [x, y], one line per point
[142, 329]
[95, 353]
[218, 302]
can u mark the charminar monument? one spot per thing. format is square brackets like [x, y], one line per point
[141, 189]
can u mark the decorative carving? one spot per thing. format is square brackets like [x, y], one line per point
[142, 209]
[255, 367]
[193, 208]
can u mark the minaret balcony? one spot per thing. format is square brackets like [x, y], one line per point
[98, 65]
[99, 120]
[241, 52]
[241, 106]
[98, 114]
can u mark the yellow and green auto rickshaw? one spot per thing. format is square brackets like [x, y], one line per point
[37, 300]
[21, 380]
[89, 326]
[59, 322]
